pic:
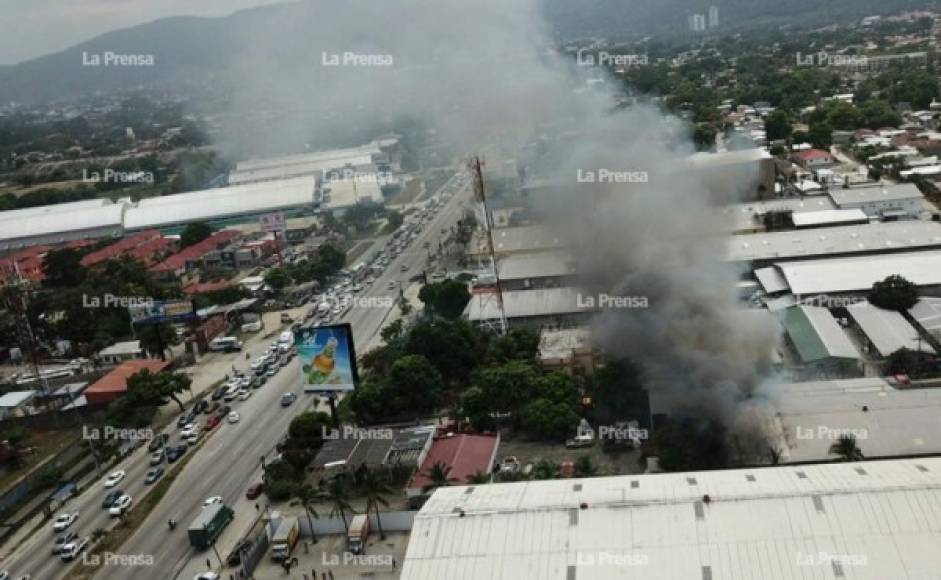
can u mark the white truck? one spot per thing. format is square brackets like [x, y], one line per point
[284, 539]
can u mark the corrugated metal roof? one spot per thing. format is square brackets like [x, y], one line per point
[895, 421]
[524, 303]
[537, 265]
[861, 195]
[828, 217]
[66, 223]
[210, 204]
[856, 239]
[859, 273]
[878, 520]
[927, 312]
[886, 329]
[816, 334]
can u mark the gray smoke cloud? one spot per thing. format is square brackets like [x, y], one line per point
[484, 73]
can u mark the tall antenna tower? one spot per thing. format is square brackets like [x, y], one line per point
[488, 300]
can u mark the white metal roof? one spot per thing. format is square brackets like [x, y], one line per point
[863, 195]
[859, 273]
[524, 303]
[927, 312]
[809, 219]
[880, 519]
[220, 203]
[330, 156]
[863, 238]
[67, 222]
[886, 329]
[17, 214]
[313, 167]
[519, 239]
[121, 348]
[771, 280]
[744, 215]
[536, 265]
[895, 422]
[14, 399]
[349, 192]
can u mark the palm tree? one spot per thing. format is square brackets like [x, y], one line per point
[307, 495]
[339, 499]
[846, 448]
[374, 487]
[545, 469]
[478, 478]
[439, 475]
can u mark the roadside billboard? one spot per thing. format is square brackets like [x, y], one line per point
[161, 311]
[273, 222]
[327, 357]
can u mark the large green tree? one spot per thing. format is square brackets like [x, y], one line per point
[894, 293]
[194, 233]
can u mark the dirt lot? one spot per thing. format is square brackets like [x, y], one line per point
[624, 462]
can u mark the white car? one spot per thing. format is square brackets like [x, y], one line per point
[115, 478]
[234, 417]
[392, 284]
[120, 505]
[63, 522]
[211, 500]
[206, 576]
[245, 382]
[192, 438]
[71, 550]
[189, 429]
[245, 394]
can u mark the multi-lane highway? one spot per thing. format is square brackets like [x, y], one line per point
[229, 460]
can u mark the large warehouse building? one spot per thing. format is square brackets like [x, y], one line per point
[102, 218]
[873, 520]
[223, 205]
[55, 224]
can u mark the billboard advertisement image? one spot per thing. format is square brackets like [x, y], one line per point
[327, 358]
[154, 312]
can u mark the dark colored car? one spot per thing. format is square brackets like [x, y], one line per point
[201, 405]
[254, 490]
[213, 408]
[175, 453]
[218, 393]
[111, 497]
[153, 475]
[183, 420]
[223, 411]
[235, 556]
[158, 442]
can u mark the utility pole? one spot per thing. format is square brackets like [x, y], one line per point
[500, 325]
[21, 288]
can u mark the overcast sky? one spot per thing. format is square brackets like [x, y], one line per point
[31, 28]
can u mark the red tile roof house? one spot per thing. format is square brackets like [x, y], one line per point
[813, 158]
[120, 248]
[114, 384]
[465, 454]
[189, 258]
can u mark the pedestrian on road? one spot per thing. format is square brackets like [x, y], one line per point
[208, 564]
[331, 574]
[393, 563]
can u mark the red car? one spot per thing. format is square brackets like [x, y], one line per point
[254, 490]
[212, 421]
